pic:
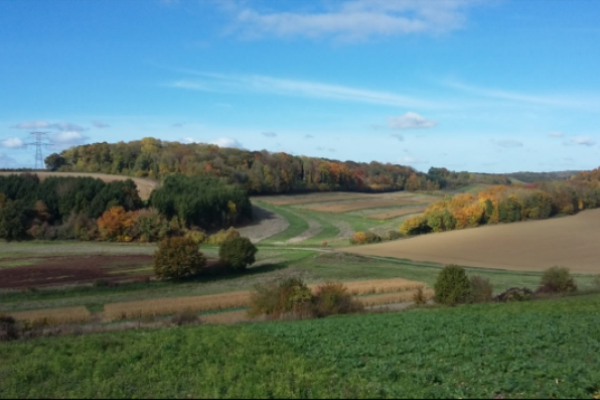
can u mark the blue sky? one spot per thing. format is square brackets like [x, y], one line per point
[486, 86]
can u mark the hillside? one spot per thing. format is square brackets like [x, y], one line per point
[258, 172]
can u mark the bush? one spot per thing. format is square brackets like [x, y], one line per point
[557, 280]
[452, 285]
[237, 253]
[178, 257]
[197, 236]
[515, 294]
[365, 238]
[8, 328]
[419, 297]
[220, 237]
[289, 296]
[333, 298]
[392, 235]
[415, 226]
[186, 317]
[481, 290]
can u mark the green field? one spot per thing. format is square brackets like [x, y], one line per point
[541, 349]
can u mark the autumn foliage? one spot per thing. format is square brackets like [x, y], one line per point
[178, 257]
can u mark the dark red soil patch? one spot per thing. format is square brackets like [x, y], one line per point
[57, 271]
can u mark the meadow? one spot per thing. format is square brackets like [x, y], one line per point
[541, 349]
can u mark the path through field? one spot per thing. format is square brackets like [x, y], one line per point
[525, 246]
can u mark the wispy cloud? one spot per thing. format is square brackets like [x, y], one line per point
[572, 101]
[298, 88]
[269, 134]
[177, 125]
[61, 126]
[355, 20]
[398, 136]
[581, 141]
[228, 142]
[556, 134]
[411, 120]
[100, 124]
[508, 143]
[309, 137]
[12, 143]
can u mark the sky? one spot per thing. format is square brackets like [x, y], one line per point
[477, 85]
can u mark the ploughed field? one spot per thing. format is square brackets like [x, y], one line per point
[571, 242]
[144, 186]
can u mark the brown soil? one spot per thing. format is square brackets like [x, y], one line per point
[58, 271]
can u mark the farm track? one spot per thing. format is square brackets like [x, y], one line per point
[314, 227]
[268, 223]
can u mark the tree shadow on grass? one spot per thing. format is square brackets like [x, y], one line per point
[218, 276]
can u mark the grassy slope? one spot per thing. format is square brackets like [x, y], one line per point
[538, 349]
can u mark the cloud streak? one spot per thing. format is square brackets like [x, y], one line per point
[269, 134]
[355, 20]
[210, 82]
[508, 143]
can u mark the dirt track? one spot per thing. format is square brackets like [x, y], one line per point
[144, 186]
[525, 246]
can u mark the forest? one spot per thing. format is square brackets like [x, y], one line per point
[258, 172]
[90, 209]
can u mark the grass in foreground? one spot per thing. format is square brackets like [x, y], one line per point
[542, 349]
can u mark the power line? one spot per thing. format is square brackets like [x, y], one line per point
[41, 140]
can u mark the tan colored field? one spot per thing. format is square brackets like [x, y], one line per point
[164, 306]
[144, 186]
[397, 213]
[392, 298]
[571, 242]
[380, 286]
[294, 202]
[55, 316]
[341, 207]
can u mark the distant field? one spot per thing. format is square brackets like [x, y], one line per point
[308, 199]
[342, 207]
[525, 246]
[397, 213]
[145, 186]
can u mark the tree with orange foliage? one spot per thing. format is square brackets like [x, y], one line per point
[115, 225]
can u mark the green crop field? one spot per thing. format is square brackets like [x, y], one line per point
[541, 349]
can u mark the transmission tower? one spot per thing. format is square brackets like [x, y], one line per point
[41, 140]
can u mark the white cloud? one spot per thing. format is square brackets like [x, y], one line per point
[100, 124]
[66, 127]
[269, 134]
[68, 138]
[211, 82]
[355, 20]
[228, 142]
[12, 143]
[556, 134]
[32, 125]
[398, 136]
[411, 120]
[509, 144]
[582, 141]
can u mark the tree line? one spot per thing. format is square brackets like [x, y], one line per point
[507, 204]
[90, 209]
[258, 172]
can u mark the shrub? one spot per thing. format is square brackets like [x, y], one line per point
[197, 236]
[220, 237]
[237, 253]
[8, 328]
[391, 235]
[481, 290]
[178, 257]
[415, 226]
[452, 285]
[324, 243]
[515, 294]
[365, 237]
[333, 298]
[557, 280]
[289, 296]
[419, 297]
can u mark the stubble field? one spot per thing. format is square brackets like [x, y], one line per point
[526, 246]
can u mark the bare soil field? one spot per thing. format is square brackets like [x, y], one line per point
[524, 246]
[397, 213]
[266, 224]
[58, 271]
[144, 186]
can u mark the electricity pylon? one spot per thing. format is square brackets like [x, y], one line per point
[41, 140]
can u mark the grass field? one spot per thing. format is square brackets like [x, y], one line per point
[541, 349]
[526, 246]
[145, 186]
